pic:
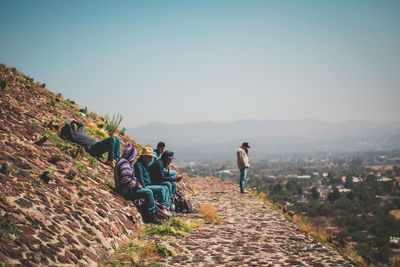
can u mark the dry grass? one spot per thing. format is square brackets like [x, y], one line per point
[209, 213]
[351, 253]
[317, 232]
[137, 251]
[394, 260]
[395, 213]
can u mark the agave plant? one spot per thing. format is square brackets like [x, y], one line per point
[112, 123]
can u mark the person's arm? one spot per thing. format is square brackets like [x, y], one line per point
[159, 174]
[127, 178]
[139, 175]
[80, 125]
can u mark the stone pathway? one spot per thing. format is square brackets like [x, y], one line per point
[251, 234]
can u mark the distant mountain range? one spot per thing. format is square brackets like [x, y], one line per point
[216, 141]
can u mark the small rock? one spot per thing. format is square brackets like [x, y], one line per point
[36, 258]
[3, 83]
[41, 141]
[46, 176]
[70, 175]
[5, 169]
[54, 159]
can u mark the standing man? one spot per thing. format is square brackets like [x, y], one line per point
[243, 164]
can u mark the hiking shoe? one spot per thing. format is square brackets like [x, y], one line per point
[155, 219]
[110, 163]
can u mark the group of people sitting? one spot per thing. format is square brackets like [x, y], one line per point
[149, 178]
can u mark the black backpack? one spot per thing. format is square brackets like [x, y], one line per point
[181, 203]
[66, 131]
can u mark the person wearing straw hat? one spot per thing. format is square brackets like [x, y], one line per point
[161, 192]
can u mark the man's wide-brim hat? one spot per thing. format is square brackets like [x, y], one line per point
[246, 144]
[147, 151]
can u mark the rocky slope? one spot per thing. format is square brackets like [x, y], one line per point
[56, 206]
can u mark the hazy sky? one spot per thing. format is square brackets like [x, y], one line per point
[189, 61]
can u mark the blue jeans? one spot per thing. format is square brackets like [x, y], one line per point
[111, 145]
[145, 193]
[243, 176]
[161, 193]
[171, 187]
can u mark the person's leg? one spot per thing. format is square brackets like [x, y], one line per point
[161, 193]
[103, 146]
[147, 194]
[167, 184]
[117, 148]
[173, 188]
[243, 176]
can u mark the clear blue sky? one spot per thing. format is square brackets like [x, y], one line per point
[190, 61]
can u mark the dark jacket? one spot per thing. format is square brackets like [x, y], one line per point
[142, 172]
[124, 173]
[77, 135]
[159, 171]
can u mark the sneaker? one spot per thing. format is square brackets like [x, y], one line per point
[110, 163]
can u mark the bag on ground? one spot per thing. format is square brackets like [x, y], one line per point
[181, 203]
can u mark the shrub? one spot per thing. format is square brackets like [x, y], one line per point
[122, 132]
[209, 213]
[113, 123]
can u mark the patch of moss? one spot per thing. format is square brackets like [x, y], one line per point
[9, 226]
[173, 227]
[56, 140]
[110, 185]
[96, 132]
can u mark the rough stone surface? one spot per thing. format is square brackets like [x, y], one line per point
[250, 234]
[57, 219]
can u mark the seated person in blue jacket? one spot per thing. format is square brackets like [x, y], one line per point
[96, 148]
[160, 173]
[161, 192]
[158, 152]
[127, 185]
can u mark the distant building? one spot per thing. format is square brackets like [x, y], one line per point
[344, 190]
[303, 176]
[224, 173]
[384, 179]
